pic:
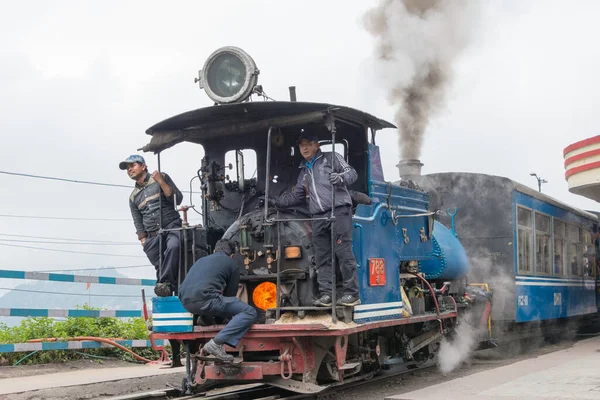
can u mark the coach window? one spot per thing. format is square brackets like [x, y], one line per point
[588, 252]
[573, 259]
[525, 239]
[560, 247]
[542, 244]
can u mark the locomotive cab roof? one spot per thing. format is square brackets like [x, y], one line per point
[227, 120]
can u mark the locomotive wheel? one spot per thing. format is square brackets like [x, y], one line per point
[327, 370]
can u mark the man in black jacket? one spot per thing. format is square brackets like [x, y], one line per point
[317, 175]
[210, 289]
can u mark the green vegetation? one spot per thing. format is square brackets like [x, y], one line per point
[44, 327]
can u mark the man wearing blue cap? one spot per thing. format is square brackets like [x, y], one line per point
[317, 176]
[155, 195]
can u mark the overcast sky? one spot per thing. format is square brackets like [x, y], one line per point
[82, 81]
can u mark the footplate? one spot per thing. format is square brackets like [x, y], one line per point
[236, 360]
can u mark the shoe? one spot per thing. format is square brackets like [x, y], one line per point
[221, 321]
[323, 301]
[214, 349]
[348, 300]
[205, 320]
[163, 289]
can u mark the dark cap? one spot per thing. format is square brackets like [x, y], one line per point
[134, 158]
[307, 136]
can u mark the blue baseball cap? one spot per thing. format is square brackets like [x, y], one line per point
[134, 158]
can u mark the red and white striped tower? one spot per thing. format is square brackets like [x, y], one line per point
[582, 165]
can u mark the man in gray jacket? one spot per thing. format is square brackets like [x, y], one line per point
[153, 201]
[316, 178]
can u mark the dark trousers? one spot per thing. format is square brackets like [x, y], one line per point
[242, 316]
[342, 235]
[168, 271]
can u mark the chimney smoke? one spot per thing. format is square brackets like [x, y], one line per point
[416, 45]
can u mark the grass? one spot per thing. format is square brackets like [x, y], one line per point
[44, 327]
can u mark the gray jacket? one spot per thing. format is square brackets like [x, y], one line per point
[144, 203]
[313, 183]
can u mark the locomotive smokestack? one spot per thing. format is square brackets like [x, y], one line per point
[292, 93]
[409, 169]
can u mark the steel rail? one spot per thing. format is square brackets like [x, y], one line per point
[263, 391]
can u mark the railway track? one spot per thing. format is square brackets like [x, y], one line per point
[260, 391]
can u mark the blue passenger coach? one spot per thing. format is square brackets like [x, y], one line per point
[536, 253]
[554, 257]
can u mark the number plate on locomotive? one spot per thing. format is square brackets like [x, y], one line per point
[376, 272]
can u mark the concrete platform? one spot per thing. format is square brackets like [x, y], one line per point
[573, 373]
[81, 377]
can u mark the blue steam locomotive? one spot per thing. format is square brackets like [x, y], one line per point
[411, 265]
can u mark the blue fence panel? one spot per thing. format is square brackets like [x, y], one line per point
[45, 276]
[46, 346]
[63, 313]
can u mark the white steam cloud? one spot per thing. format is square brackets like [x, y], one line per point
[454, 352]
[417, 43]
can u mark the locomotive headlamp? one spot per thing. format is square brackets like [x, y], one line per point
[264, 296]
[229, 75]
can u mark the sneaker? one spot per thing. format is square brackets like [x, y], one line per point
[163, 289]
[205, 320]
[348, 300]
[218, 351]
[323, 301]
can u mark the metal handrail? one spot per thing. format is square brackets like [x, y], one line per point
[331, 126]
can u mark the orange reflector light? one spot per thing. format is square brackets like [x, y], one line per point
[265, 296]
[292, 252]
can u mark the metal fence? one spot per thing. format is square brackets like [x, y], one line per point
[65, 313]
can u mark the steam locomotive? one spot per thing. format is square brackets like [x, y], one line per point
[411, 265]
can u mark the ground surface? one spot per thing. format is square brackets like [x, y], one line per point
[376, 390]
[93, 391]
[480, 361]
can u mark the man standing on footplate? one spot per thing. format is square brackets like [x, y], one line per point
[314, 184]
[153, 201]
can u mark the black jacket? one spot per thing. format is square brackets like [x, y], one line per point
[209, 277]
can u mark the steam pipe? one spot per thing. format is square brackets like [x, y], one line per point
[437, 306]
[193, 247]
[268, 171]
